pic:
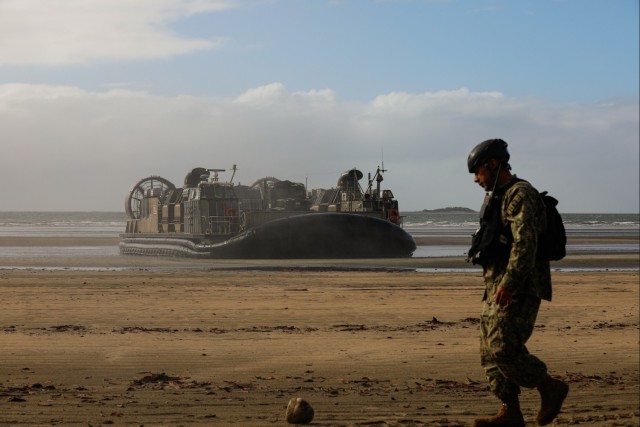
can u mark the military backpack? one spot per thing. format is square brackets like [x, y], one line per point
[493, 241]
[552, 245]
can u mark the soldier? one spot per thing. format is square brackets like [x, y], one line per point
[516, 280]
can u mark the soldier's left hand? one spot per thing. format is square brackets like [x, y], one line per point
[502, 296]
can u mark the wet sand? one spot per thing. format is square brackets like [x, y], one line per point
[147, 341]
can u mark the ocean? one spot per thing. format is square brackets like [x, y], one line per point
[418, 224]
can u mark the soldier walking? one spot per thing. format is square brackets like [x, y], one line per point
[516, 279]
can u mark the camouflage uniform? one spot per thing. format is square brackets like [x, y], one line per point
[505, 330]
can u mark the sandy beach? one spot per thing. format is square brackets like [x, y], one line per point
[172, 342]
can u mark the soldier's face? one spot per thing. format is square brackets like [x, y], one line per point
[483, 177]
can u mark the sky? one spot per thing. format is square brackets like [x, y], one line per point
[98, 94]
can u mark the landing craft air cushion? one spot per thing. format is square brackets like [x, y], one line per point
[270, 219]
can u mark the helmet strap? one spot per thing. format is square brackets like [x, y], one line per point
[495, 181]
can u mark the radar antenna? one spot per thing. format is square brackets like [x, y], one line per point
[214, 178]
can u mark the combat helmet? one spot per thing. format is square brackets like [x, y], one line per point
[489, 149]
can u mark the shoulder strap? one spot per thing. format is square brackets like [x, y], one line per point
[499, 192]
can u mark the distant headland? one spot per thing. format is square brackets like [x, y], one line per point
[453, 209]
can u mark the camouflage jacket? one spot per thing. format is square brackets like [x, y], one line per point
[523, 217]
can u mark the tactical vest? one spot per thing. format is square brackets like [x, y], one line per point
[491, 243]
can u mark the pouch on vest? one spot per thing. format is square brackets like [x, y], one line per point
[491, 243]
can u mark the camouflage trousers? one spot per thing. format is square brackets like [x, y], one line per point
[504, 332]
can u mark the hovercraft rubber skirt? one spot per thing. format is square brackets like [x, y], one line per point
[315, 235]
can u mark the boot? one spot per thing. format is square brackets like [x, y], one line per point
[509, 415]
[553, 392]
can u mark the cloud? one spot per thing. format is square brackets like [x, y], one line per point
[276, 93]
[65, 148]
[61, 32]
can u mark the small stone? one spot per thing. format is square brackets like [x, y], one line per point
[299, 411]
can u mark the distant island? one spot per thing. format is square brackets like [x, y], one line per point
[454, 209]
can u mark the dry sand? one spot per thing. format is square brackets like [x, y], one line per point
[142, 341]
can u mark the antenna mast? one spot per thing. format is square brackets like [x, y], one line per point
[234, 169]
